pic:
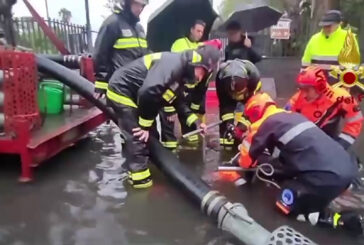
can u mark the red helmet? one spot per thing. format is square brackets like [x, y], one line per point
[256, 106]
[208, 57]
[214, 42]
[312, 76]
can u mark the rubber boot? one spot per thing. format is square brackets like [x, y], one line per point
[141, 179]
[350, 221]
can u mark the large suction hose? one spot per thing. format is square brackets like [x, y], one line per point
[230, 217]
[69, 61]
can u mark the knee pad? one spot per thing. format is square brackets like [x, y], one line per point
[293, 198]
[286, 200]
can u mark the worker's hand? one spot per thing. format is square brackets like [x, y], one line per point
[204, 128]
[99, 95]
[247, 41]
[143, 135]
[172, 118]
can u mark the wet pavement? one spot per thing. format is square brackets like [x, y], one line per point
[79, 197]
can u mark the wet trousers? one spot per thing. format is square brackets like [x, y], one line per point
[135, 151]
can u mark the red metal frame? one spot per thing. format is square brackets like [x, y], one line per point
[87, 68]
[20, 88]
[34, 145]
[34, 150]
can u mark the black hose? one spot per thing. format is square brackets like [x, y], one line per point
[232, 218]
[69, 61]
[165, 160]
[168, 163]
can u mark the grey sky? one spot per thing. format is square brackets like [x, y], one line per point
[77, 7]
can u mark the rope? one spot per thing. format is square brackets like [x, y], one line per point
[269, 173]
[260, 169]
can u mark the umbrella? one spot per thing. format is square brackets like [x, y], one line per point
[174, 19]
[255, 16]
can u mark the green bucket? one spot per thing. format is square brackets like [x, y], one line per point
[51, 97]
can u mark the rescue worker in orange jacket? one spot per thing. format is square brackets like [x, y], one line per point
[140, 89]
[327, 106]
[318, 169]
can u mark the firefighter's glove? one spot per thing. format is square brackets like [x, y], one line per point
[230, 132]
[235, 132]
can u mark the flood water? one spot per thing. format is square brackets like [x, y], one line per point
[80, 197]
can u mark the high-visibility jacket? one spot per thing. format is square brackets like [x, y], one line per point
[324, 51]
[153, 82]
[184, 44]
[334, 105]
[120, 40]
[302, 146]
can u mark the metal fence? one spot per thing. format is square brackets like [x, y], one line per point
[30, 35]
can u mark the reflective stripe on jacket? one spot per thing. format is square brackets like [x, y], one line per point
[324, 51]
[304, 148]
[335, 104]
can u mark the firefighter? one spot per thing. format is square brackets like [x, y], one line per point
[140, 89]
[167, 114]
[240, 46]
[324, 47]
[317, 168]
[327, 106]
[236, 81]
[194, 97]
[121, 39]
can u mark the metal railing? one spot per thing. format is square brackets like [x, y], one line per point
[30, 35]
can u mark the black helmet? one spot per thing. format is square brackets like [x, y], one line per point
[243, 77]
[207, 57]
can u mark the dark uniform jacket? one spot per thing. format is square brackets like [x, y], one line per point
[120, 40]
[303, 147]
[154, 81]
[240, 51]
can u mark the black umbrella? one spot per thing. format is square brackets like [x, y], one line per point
[256, 16]
[174, 19]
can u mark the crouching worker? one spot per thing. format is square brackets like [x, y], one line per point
[140, 89]
[327, 106]
[319, 169]
[236, 81]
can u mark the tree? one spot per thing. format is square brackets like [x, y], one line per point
[65, 15]
[353, 11]
[353, 15]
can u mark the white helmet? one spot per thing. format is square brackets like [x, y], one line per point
[123, 3]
